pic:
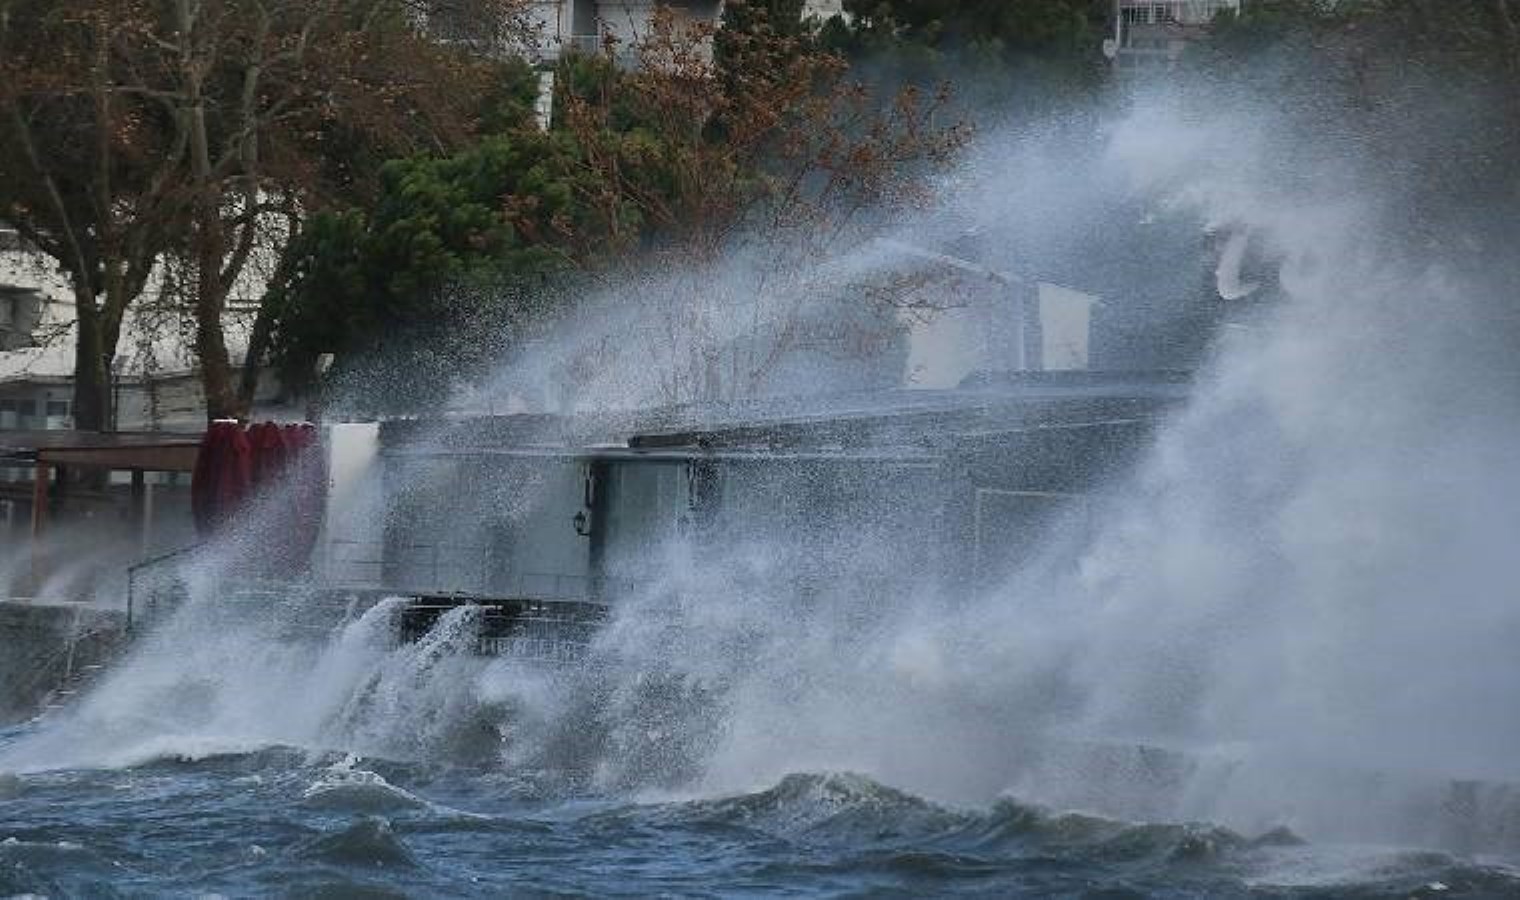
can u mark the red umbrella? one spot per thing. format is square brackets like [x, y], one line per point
[271, 454]
[223, 474]
[201, 499]
[233, 463]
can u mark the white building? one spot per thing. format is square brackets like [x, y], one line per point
[585, 26]
[1001, 322]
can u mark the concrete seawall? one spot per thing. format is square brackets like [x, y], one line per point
[49, 649]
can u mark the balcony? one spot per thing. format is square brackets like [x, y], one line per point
[584, 44]
[1173, 12]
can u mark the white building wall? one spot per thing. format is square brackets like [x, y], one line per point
[1065, 327]
[542, 554]
[353, 524]
[994, 332]
[554, 25]
[581, 24]
[823, 9]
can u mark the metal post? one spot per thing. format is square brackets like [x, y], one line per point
[40, 473]
[139, 507]
[148, 513]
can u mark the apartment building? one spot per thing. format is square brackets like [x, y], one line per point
[585, 26]
[154, 380]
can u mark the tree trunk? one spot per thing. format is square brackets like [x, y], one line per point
[211, 344]
[92, 383]
[210, 301]
[258, 348]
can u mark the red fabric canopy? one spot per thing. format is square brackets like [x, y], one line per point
[271, 454]
[223, 474]
[281, 466]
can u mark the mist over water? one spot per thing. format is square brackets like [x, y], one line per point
[1305, 588]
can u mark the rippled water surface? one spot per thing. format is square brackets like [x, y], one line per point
[300, 824]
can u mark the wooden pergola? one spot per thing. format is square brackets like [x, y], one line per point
[134, 452]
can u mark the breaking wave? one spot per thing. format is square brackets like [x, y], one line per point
[285, 820]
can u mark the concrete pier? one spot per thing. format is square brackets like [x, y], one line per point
[47, 650]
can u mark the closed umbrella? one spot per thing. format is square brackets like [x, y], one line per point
[223, 475]
[271, 454]
[201, 493]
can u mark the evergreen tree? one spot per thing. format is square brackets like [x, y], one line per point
[1000, 54]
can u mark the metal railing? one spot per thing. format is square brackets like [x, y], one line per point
[457, 568]
[146, 579]
[376, 563]
[539, 616]
[590, 44]
[554, 631]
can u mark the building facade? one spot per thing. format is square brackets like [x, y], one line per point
[586, 26]
[155, 383]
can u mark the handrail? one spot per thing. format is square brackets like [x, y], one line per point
[164, 557]
[151, 562]
[369, 561]
[428, 574]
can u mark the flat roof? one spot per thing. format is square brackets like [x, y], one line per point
[985, 404]
[902, 456]
[155, 451]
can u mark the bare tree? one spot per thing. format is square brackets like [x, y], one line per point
[84, 168]
[206, 130]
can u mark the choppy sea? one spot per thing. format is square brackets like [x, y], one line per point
[294, 823]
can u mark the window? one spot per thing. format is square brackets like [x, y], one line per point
[57, 408]
[21, 414]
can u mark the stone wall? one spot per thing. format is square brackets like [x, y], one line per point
[48, 650]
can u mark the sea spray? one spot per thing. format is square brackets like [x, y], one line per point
[1305, 579]
[218, 678]
[1293, 613]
